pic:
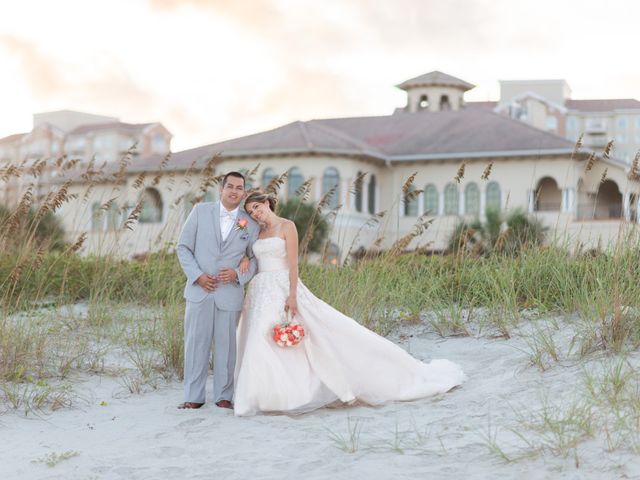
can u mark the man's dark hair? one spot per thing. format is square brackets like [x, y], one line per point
[234, 174]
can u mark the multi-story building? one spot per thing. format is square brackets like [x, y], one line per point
[68, 134]
[547, 105]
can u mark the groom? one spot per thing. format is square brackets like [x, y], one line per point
[213, 240]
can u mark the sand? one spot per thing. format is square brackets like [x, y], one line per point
[109, 435]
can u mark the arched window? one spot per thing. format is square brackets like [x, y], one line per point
[494, 200]
[609, 201]
[372, 195]
[423, 102]
[268, 175]
[113, 217]
[472, 200]
[97, 217]
[451, 199]
[358, 190]
[411, 205]
[548, 196]
[151, 211]
[431, 200]
[444, 103]
[330, 179]
[295, 179]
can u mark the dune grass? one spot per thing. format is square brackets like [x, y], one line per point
[37, 341]
[63, 314]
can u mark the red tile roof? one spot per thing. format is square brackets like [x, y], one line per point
[129, 127]
[393, 137]
[603, 105]
[12, 138]
[435, 78]
[489, 105]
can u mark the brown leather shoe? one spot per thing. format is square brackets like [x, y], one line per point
[189, 405]
[224, 404]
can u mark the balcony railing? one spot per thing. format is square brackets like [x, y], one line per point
[548, 206]
[599, 212]
[596, 126]
[595, 140]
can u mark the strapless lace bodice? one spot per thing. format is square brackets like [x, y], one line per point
[271, 254]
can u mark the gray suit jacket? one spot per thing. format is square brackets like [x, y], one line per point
[201, 250]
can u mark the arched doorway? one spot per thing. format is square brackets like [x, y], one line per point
[609, 201]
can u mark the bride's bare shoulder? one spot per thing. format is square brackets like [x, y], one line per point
[289, 228]
[288, 224]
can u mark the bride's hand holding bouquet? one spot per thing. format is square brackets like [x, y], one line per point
[291, 306]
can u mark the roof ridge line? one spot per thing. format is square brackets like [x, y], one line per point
[305, 135]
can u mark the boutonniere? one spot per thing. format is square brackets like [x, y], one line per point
[242, 224]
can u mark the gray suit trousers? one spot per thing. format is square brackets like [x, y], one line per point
[203, 322]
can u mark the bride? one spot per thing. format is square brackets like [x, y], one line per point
[338, 361]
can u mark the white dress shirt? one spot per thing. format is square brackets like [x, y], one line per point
[227, 220]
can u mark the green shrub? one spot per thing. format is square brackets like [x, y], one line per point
[497, 234]
[305, 215]
[43, 231]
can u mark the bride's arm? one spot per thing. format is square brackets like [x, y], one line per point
[291, 239]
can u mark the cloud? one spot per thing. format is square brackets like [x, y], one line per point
[229, 68]
[294, 27]
[51, 79]
[324, 27]
[254, 14]
[43, 75]
[308, 93]
[333, 55]
[302, 44]
[104, 87]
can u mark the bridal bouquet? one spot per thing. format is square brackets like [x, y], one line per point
[288, 334]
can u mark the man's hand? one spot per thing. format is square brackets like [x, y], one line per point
[227, 275]
[207, 282]
[244, 264]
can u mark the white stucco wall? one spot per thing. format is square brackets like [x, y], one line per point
[517, 178]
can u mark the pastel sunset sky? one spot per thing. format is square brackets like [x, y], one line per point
[216, 69]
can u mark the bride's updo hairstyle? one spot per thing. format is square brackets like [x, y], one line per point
[259, 197]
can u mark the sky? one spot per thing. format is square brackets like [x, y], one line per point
[211, 70]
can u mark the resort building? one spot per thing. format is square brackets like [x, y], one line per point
[463, 157]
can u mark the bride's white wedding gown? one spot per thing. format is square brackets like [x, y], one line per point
[338, 360]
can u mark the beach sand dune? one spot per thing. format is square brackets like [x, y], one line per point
[109, 436]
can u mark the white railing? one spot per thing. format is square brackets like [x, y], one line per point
[596, 126]
[595, 140]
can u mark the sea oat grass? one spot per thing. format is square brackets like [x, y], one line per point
[602, 289]
[544, 278]
[450, 292]
[36, 397]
